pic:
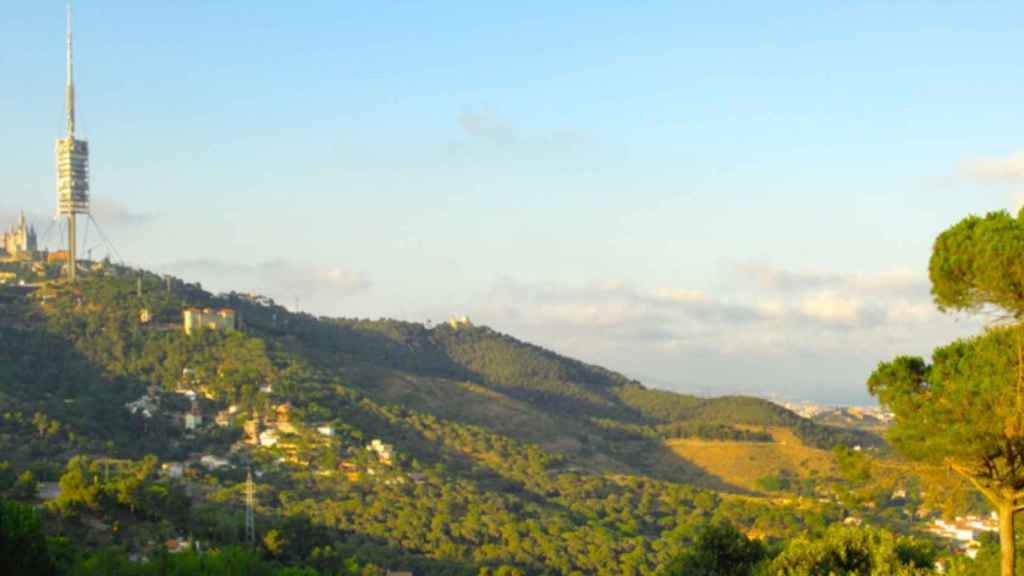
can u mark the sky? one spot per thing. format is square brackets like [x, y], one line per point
[726, 197]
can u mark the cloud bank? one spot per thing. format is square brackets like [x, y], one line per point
[766, 330]
[108, 212]
[317, 288]
[1004, 171]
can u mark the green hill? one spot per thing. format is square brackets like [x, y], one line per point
[505, 453]
[547, 381]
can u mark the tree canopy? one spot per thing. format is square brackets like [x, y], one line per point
[720, 550]
[22, 542]
[854, 552]
[965, 410]
[978, 262]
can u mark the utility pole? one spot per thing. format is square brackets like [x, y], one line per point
[250, 503]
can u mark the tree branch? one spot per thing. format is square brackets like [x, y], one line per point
[992, 495]
[1020, 373]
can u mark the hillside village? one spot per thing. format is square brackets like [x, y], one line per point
[273, 428]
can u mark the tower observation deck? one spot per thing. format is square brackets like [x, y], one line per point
[72, 166]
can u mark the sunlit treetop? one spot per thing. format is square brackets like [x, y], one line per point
[978, 263]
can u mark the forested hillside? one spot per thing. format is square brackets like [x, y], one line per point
[547, 382]
[502, 456]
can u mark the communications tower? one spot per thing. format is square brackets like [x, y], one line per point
[72, 167]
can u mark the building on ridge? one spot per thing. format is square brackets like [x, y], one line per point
[385, 452]
[20, 239]
[222, 319]
[194, 417]
[457, 322]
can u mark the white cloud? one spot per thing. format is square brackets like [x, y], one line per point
[762, 328]
[1006, 167]
[779, 280]
[828, 306]
[899, 280]
[485, 130]
[1005, 171]
[283, 280]
[345, 280]
[109, 212]
[771, 308]
[910, 312]
[682, 296]
[488, 126]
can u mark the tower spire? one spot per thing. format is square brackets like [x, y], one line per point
[72, 167]
[70, 104]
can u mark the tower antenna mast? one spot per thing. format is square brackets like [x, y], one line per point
[72, 165]
[69, 101]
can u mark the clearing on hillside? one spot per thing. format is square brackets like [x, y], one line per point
[743, 464]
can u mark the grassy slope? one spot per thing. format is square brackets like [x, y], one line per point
[743, 463]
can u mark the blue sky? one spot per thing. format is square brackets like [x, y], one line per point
[713, 197]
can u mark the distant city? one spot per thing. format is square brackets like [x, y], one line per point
[862, 413]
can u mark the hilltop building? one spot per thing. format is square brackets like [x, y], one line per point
[20, 239]
[194, 417]
[225, 416]
[223, 319]
[282, 419]
[211, 462]
[173, 469]
[350, 470]
[252, 428]
[268, 438]
[457, 322]
[385, 452]
[147, 406]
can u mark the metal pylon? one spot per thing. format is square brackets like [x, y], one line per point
[250, 504]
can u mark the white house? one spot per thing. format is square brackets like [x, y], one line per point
[193, 421]
[211, 462]
[268, 438]
[173, 469]
[146, 405]
[385, 452]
